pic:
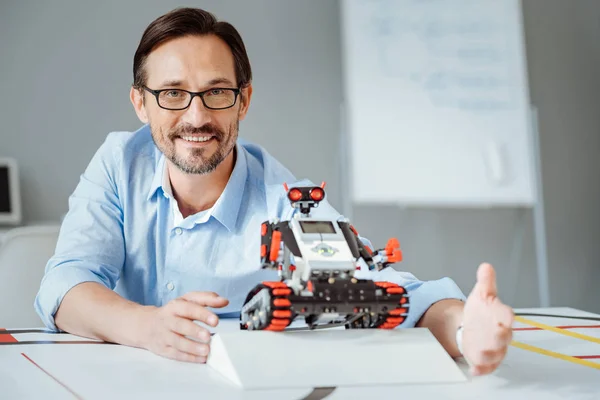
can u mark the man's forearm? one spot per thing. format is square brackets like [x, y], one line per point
[94, 311]
[443, 319]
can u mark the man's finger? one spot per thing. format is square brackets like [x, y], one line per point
[486, 357]
[483, 370]
[208, 299]
[486, 281]
[186, 327]
[195, 312]
[186, 345]
[494, 356]
[174, 354]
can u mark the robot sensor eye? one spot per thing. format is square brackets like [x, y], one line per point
[317, 194]
[295, 194]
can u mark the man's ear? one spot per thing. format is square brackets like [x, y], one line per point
[137, 99]
[245, 96]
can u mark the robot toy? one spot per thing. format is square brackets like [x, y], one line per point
[316, 261]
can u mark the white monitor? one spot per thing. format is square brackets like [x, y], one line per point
[10, 195]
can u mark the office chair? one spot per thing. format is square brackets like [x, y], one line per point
[24, 252]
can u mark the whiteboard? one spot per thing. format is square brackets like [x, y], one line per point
[436, 106]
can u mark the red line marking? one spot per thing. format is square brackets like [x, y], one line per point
[587, 357]
[561, 327]
[51, 376]
[7, 337]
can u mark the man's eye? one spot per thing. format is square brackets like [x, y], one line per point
[216, 92]
[173, 93]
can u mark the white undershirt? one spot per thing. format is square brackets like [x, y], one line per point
[198, 218]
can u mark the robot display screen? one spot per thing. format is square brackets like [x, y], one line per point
[317, 227]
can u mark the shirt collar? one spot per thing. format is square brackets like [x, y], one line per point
[157, 180]
[227, 207]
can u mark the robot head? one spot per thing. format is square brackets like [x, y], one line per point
[305, 197]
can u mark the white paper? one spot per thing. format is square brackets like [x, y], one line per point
[262, 359]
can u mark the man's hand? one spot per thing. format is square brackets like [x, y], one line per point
[487, 324]
[167, 327]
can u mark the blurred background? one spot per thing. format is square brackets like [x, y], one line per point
[66, 71]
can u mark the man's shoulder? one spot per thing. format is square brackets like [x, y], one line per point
[137, 142]
[263, 167]
[269, 174]
[123, 153]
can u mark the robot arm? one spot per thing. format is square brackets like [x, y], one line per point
[270, 243]
[389, 255]
[379, 259]
[273, 235]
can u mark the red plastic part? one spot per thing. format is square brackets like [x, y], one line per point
[282, 303]
[282, 292]
[392, 245]
[275, 243]
[282, 314]
[396, 290]
[395, 257]
[275, 285]
[317, 194]
[295, 194]
[398, 311]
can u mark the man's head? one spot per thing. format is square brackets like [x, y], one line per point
[188, 50]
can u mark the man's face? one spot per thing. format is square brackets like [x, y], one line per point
[196, 139]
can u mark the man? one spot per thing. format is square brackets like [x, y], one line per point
[163, 227]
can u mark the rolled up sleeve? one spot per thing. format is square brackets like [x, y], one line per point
[422, 294]
[90, 245]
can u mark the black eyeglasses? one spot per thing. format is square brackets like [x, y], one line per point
[179, 99]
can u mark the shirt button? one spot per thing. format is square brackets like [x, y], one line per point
[170, 286]
[178, 231]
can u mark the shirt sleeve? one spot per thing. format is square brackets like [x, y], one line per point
[422, 294]
[90, 245]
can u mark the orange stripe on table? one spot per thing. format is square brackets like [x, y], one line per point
[587, 357]
[560, 327]
[6, 337]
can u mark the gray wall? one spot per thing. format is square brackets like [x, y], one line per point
[67, 67]
[564, 52]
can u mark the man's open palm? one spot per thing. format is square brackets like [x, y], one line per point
[487, 324]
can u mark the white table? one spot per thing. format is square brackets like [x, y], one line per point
[102, 371]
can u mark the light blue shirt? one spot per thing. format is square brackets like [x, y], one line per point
[124, 231]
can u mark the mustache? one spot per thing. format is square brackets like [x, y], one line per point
[188, 129]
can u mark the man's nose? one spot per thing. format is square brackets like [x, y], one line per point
[197, 114]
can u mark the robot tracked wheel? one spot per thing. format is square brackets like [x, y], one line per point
[316, 260]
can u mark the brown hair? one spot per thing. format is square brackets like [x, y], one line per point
[190, 21]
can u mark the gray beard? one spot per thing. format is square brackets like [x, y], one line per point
[204, 168]
[197, 165]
